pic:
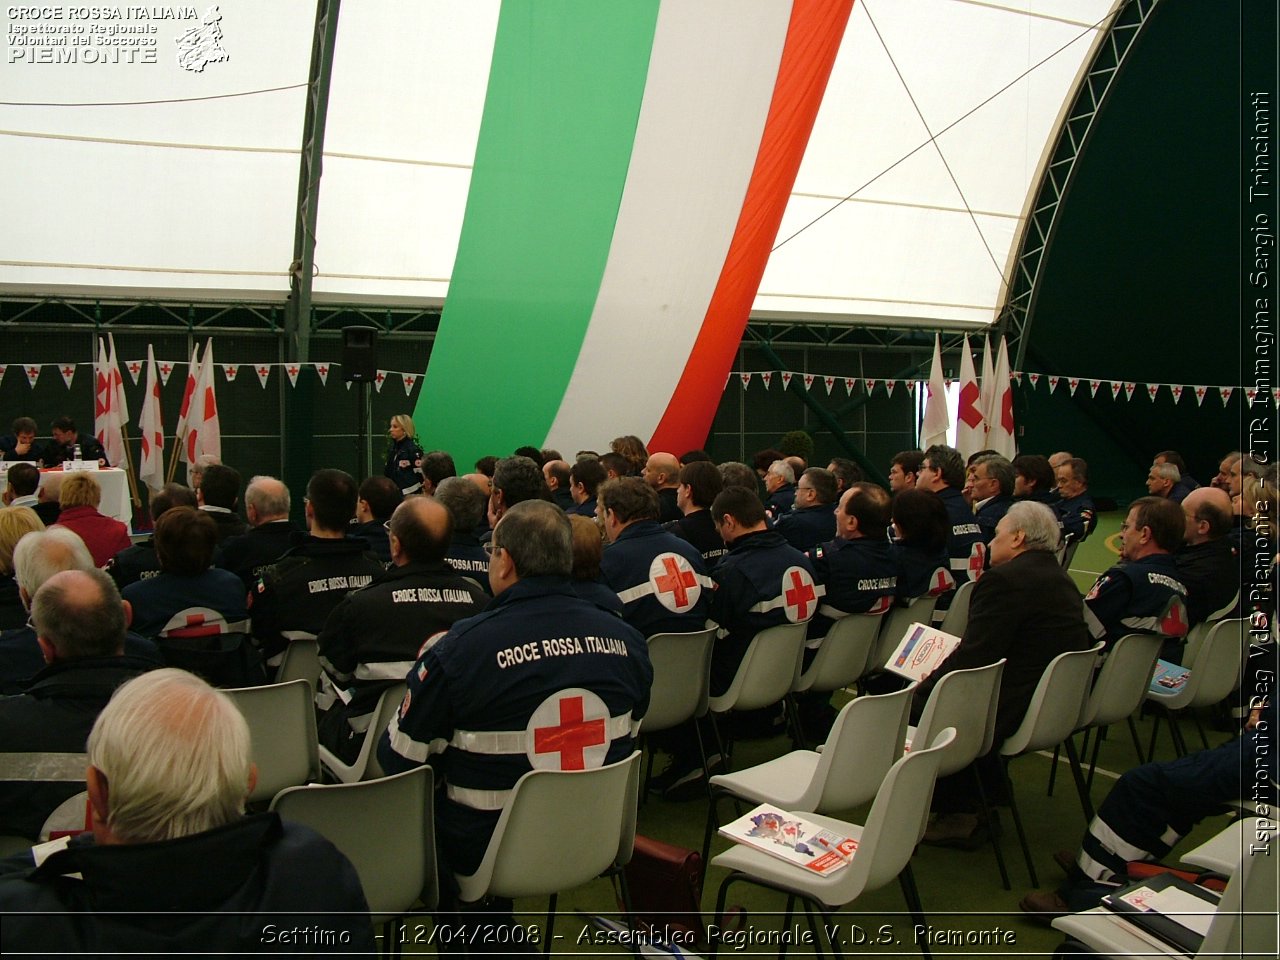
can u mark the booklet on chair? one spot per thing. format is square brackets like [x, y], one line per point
[1167, 907]
[1168, 677]
[790, 838]
[921, 651]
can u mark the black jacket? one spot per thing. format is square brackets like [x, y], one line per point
[250, 553]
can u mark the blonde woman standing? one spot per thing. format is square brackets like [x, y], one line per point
[404, 458]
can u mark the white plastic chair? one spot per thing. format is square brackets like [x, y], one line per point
[1051, 718]
[885, 845]
[966, 700]
[300, 661]
[896, 623]
[681, 681]
[1214, 674]
[865, 741]
[1244, 923]
[366, 766]
[843, 654]
[282, 725]
[397, 867]
[1118, 690]
[956, 619]
[765, 676]
[543, 843]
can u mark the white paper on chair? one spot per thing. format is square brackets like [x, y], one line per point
[921, 652]
[790, 838]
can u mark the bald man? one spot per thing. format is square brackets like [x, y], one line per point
[558, 479]
[662, 472]
[1207, 562]
[375, 634]
[79, 622]
[266, 504]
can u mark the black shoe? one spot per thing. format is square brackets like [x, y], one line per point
[692, 785]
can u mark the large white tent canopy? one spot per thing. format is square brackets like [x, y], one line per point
[146, 180]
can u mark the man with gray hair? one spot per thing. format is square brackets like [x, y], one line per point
[79, 623]
[780, 484]
[993, 481]
[1161, 479]
[1027, 610]
[266, 504]
[541, 676]
[466, 505]
[37, 557]
[173, 865]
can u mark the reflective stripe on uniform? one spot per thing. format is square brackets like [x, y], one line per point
[387, 670]
[46, 767]
[409, 748]
[496, 742]
[478, 799]
[414, 489]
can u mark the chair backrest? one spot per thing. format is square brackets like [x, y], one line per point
[365, 766]
[768, 670]
[282, 723]
[894, 628]
[396, 866]
[956, 618]
[543, 842]
[301, 661]
[1056, 704]
[965, 700]
[681, 677]
[842, 657]
[1069, 551]
[1122, 683]
[865, 741]
[1216, 668]
[201, 641]
[896, 821]
[1245, 922]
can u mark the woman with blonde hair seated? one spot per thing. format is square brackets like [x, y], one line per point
[15, 523]
[104, 536]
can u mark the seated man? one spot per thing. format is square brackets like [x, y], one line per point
[80, 628]
[658, 576]
[662, 472]
[173, 865]
[466, 506]
[585, 478]
[1074, 505]
[375, 634]
[187, 591]
[1208, 565]
[993, 485]
[1186, 483]
[903, 469]
[812, 519]
[376, 501]
[437, 466]
[22, 490]
[857, 568]
[139, 562]
[539, 658]
[296, 594]
[1033, 478]
[1025, 609]
[1142, 593]
[1154, 806]
[270, 534]
[22, 446]
[65, 440]
[700, 484]
[219, 496]
[1161, 480]
[556, 473]
[762, 582]
[846, 472]
[780, 484]
[942, 473]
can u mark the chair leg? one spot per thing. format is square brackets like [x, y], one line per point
[1093, 760]
[1017, 822]
[1175, 731]
[1155, 728]
[1053, 773]
[702, 753]
[715, 730]
[717, 918]
[1086, 803]
[551, 924]
[1200, 727]
[1137, 744]
[907, 881]
[713, 823]
[829, 924]
[786, 921]
[648, 772]
[989, 815]
[793, 714]
[391, 936]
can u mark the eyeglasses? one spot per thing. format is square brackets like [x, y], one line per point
[490, 547]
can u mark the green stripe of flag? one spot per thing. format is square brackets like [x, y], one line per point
[555, 140]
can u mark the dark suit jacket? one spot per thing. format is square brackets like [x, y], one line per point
[1027, 610]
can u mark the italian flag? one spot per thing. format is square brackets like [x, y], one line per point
[632, 169]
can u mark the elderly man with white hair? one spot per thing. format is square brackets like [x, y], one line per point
[1027, 610]
[173, 865]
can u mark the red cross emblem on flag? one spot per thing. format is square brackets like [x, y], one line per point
[322, 370]
[569, 731]
[263, 371]
[798, 593]
[380, 377]
[165, 369]
[674, 582]
[293, 371]
[135, 368]
[409, 381]
[1174, 623]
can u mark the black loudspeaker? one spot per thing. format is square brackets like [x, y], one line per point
[359, 354]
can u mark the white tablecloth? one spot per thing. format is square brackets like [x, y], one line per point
[115, 492]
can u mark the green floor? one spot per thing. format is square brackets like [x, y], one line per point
[961, 891]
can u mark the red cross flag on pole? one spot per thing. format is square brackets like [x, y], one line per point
[933, 429]
[1000, 431]
[184, 411]
[971, 430]
[204, 436]
[151, 466]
